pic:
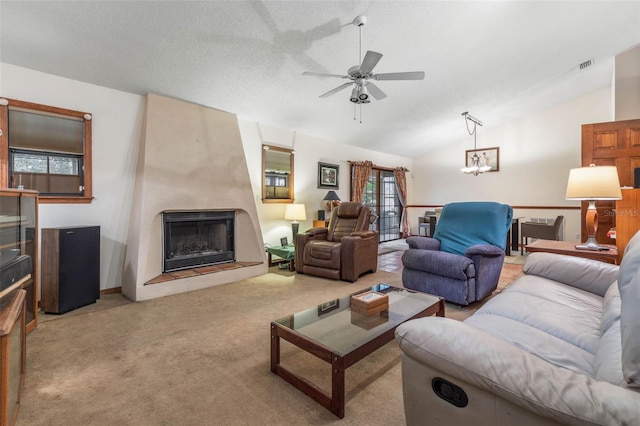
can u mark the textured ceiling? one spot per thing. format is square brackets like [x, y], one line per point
[497, 60]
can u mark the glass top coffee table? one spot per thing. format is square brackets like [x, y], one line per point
[336, 334]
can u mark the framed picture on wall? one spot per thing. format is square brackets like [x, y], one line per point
[328, 176]
[488, 157]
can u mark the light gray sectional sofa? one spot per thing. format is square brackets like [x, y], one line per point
[561, 345]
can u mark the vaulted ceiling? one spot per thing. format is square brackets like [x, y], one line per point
[498, 60]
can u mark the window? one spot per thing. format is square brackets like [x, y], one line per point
[46, 149]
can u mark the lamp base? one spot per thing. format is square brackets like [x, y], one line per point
[591, 244]
[295, 226]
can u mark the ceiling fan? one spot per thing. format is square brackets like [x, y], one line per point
[360, 76]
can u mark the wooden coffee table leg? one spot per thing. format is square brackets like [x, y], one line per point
[337, 385]
[275, 349]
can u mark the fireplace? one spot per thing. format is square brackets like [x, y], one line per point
[195, 239]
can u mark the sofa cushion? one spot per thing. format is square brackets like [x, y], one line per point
[629, 287]
[558, 323]
[611, 308]
[456, 232]
[607, 364]
[566, 312]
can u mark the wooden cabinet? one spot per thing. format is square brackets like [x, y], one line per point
[12, 356]
[615, 143]
[627, 217]
[19, 239]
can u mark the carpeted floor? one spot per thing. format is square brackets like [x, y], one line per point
[202, 358]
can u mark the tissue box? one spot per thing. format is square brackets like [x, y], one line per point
[369, 303]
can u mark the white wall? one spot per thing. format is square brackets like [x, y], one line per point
[116, 125]
[627, 85]
[536, 154]
[308, 152]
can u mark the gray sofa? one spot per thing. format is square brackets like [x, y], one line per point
[561, 345]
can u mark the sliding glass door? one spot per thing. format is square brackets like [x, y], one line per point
[380, 195]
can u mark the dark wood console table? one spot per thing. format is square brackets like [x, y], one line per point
[569, 248]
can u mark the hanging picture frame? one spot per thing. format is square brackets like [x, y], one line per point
[488, 157]
[328, 176]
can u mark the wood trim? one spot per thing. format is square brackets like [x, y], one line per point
[4, 147]
[112, 290]
[422, 206]
[52, 199]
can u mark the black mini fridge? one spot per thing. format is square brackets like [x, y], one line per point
[70, 268]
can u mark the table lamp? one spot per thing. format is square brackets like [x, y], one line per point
[295, 212]
[331, 197]
[593, 183]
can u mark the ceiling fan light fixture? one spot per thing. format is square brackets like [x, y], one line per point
[359, 75]
[354, 95]
[363, 93]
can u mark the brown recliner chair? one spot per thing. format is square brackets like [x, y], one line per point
[343, 251]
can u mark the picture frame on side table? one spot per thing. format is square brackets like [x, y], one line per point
[284, 241]
[328, 176]
[488, 157]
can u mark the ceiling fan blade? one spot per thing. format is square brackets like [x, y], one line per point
[337, 89]
[321, 74]
[375, 91]
[370, 61]
[413, 75]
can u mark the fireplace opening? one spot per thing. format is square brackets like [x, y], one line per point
[195, 239]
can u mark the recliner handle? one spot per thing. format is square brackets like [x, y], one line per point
[451, 393]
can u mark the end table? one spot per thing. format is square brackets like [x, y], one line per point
[287, 253]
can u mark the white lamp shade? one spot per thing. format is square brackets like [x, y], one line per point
[295, 212]
[594, 183]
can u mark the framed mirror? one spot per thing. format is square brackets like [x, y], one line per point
[277, 174]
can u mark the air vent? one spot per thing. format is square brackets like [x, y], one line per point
[586, 64]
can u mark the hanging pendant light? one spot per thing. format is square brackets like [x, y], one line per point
[474, 168]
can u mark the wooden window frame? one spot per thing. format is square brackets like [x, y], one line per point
[87, 157]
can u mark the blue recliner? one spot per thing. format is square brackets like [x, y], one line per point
[463, 260]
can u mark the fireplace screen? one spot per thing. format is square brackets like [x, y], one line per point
[194, 239]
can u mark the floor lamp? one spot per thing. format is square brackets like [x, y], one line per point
[592, 184]
[295, 212]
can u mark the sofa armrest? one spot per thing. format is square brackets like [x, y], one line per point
[470, 355]
[586, 274]
[319, 231]
[484, 250]
[361, 234]
[424, 243]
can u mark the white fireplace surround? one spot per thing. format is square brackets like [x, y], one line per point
[191, 158]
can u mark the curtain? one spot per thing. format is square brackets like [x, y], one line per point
[361, 172]
[401, 186]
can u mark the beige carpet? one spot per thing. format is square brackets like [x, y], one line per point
[200, 358]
